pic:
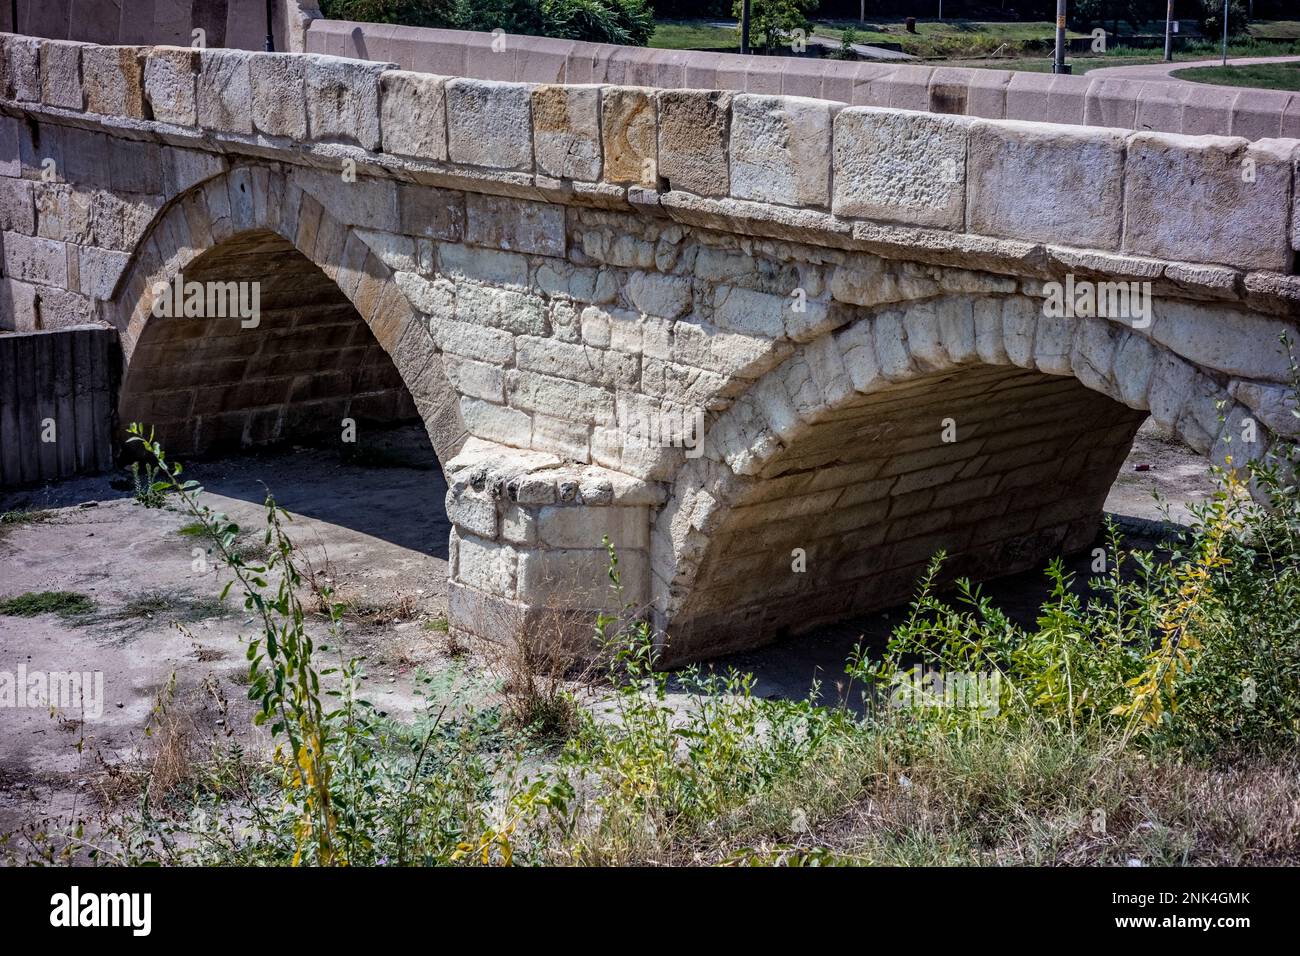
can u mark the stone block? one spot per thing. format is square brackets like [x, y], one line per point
[1238, 343]
[901, 167]
[1209, 199]
[22, 69]
[114, 80]
[664, 296]
[224, 91]
[563, 526]
[489, 124]
[693, 141]
[473, 512]
[17, 210]
[279, 94]
[566, 131]
[628, 128]
[61, 75]
[343, 100]
[413, 115]
[99, 270]
[781, 149]
[1047, 183]
[169, 86]
[32, 259]
[515, 225]
[496, 422]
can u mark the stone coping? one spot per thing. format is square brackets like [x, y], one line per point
[1216, 214]
[538, 478]
[1188, 108]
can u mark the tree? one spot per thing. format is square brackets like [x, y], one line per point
[769, 20]
[628, 22]
[1211, 18]
[1087, 14]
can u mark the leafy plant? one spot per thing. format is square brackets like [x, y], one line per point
[66, 604]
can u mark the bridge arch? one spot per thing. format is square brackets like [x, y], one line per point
[335, 336]
[972, 424]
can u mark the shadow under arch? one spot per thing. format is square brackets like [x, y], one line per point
[333, 344]
[968, 424]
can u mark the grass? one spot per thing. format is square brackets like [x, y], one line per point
[1002, 46]
[947, 38]
[150, 607]
[693, 35]
[1272, 76]
[13, 519]
[66, 604]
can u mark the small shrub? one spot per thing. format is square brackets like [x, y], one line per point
[66, 604]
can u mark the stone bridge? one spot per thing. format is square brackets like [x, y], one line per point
[778, 349]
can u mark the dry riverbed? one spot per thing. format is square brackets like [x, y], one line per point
[372, 528]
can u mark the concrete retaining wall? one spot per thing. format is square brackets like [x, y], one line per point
[991, 94]
[227, 23]
[58, 391]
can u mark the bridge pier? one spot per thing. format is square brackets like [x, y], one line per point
[527, 552]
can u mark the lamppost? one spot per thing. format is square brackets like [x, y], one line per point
[1169, 32]
[744, 27]
[1225, 32]
[270, 33]
[1058, 59]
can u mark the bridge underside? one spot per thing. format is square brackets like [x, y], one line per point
[210, 385]
[997, 466]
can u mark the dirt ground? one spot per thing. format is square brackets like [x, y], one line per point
[373, 528]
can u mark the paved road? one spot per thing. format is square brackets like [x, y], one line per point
[1159, 72]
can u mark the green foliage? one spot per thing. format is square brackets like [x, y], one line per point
[1087, 14]
[12, 518]
[1211, 18]
[1199, 654]
[148, 490]
[416, 13]
[66, 604]
[845, 49]
[1264, 76]
[597, 21]
[771, 21]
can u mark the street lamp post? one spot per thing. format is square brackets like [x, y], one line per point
[1058, 59]
[1225, 32]
[1169, 32]
[270, 32]
[744, 27]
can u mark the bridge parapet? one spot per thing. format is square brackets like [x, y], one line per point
[855, 175]
[1085, 100]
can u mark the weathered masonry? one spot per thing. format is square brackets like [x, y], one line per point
[851, 304]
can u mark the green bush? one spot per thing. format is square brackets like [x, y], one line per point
[598, 21]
